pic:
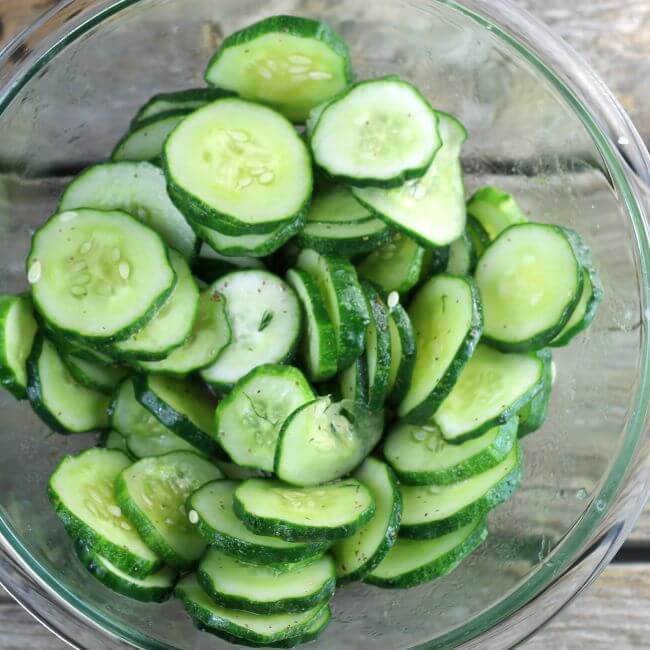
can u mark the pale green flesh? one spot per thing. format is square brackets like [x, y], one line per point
[84, 484]
[160, 579]
[334, 230]
[210, 335]
[164, 105]
[102, 375]
[326, 440]
[138, 188]
[581, 308]
[160, 486]
[335, 204]
[172, 325]
[495, 210]
[220, 241]
[213, 502]
[410, 554]
[489, 384]
[441, 313]
[527, 279]
[145, 143]
[241, 159]
[249, 296]
[249, 421]
[428, 503]
[19, 331]
[460, 254]
[433, 207]
[366, 133]
[77, 408]
[265, 584]
[115, 440]
[395, 353]
[325, 506]
[278, 69]
[97, 271]
[353, 552]
[240, 261]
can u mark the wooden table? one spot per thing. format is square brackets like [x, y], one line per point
[614, 35]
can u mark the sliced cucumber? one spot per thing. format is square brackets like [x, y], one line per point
[433, 510]
[17, 331]
[430, 209]
[318, 348]
[532, 416]
[217, 522]
[530, 281]
[154, 588]
[101, 377]
[477, 235]
[62, 403]
[145, 140]
[335, 204]
[210, 265]
[495, 210]
[152, 493]
[420, 455]
[379, 132]
[395, 266]
[411, 562]
[321, 441]
[313, 630]
[81, 491]
[287, 62]
[114, 440]
[360, 554]
[236, 473]
[265, 319]
[75, 348]
[403, 353]
[353, 381]
[435, 261]
[238, 626]
[309, 514]
[137, 188]
[344, 300]
[462, 256]
[446, 317]
[184, 406]
[492, 388]
[238, 167]
[266, 589]
[209, 336]
[249, 419]
[98, 276]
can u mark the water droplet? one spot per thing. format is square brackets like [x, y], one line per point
[299, 59]
[266, 178]
[125, 270]
[116, 511]
[193, 516]
[68, 216]
[86, 246]
[125, 526]
[116, 253]
[78, 290]
[34, 273]
[600, 505]
[392, 300]
[582, 494]
[316, 75]
[553, 372]
[623, 140]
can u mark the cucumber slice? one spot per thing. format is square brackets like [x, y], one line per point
[532, 416]
[266, 589]
[435, 261]
[344, 300]
[378, 348]
[353, 381]
[114, 440]
[137, 188]
[152, 493]
[17, 331]
[322, 441]
[146, 139]
[238, 626]
[184, 406]
[318, 348]
[210, 335]
[360, 554]
[288, 62]
[100, 377]
[530, 281]
[379, 132]
[265, 319]
[411, 562]
[433, 510]
[171, 326]
[477, 235]
[403, 353]
[98, 276]
[81, 491]
[420, 455]
[345, 239]
[446, 318]
[335, 204]
[430, 209]
[395, 266]
[462, 256]
[237, 473]
[217, 522]
[210, 265]
[492, 388]
[75, 348]
[495, 210]
[249, 419]
[63, 404]
[238, 167]
[309, 514]
[311, 632]
[154, 588]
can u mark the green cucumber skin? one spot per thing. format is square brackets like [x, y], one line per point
[439, 567]
[405, 371]
[344, 247]
[144, 595]
[8, 380]
[84, 380]
[532, 417]
[423, 412]
[361, 386]
[365, 271]
[494, 497]
[395, 181]
[435, 262]
[174, 421]
[471, 255]
[306, 637]
[477, 235]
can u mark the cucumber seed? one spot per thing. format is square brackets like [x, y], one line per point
[34, 273]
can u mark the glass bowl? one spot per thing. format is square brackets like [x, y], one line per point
[541, 126]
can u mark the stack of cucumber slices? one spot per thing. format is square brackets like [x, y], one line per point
[310, 359]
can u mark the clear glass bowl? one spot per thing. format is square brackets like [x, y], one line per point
[541, 125]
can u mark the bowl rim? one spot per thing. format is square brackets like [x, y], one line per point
[604, 524]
